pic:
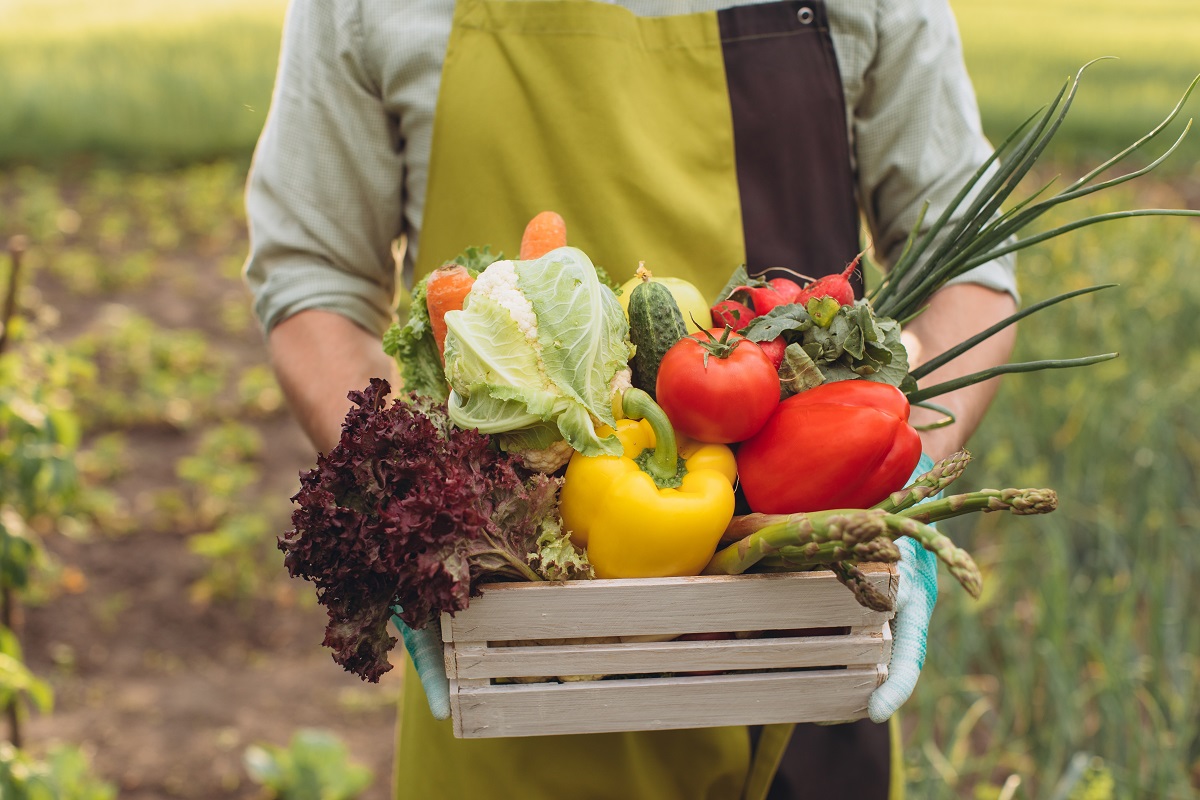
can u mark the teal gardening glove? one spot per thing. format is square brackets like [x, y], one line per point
[915, 597]
[425, 649]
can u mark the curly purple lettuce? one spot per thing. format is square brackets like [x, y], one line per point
[408, 510]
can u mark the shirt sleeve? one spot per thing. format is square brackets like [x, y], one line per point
[323, 198]
[917, 131]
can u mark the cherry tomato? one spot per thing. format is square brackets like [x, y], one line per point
[717, 386]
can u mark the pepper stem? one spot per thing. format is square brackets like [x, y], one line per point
[663, 464]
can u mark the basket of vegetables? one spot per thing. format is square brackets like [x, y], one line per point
[598, 503]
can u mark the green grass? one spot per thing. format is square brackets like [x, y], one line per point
[1084, 642]
[141, 83]
[1018, 53]
[1084, 651]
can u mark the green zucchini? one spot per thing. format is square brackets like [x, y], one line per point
[655, 323]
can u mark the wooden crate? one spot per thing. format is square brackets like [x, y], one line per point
[516, 631]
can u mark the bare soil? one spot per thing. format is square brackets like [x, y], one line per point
[164, 691]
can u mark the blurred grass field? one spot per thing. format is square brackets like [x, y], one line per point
[152, 84]
[135, 83]
[1078, 674]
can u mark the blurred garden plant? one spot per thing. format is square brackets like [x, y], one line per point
[39, 434]
[314, 766]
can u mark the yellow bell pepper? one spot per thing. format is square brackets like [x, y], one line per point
[658, 510]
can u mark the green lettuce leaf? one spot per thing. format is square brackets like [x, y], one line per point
[581, 327]
[412, 344]
[416, 354]
[532, 355]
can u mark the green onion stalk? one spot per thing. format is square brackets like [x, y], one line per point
[973, 230]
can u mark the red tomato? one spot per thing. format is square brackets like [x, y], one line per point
[717, 386]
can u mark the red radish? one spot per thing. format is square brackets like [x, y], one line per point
[787, 288]
[836, 286]
[732, 313]
[764, 298]
[774, 350]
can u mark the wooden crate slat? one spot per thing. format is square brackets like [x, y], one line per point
[653, 704]
[478, 661]
[707, 604]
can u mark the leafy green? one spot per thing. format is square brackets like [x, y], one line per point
[556, 558]
[415, 350]
[798, 371]
[740, 277]
[855, 344]
[606, 279]
[476, 259]
[412, 344]
[533, 354]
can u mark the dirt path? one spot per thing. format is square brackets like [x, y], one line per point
[167, 693]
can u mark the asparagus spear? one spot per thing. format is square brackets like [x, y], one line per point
[866, 593]
[957, 560]
[944, 473]
[843, 526]
[881, 549]
[1018, 501]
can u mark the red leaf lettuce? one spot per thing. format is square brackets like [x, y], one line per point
[407, 510]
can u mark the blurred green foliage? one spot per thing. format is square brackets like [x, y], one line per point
[159, 85]
[314, 766]
[1016, 50]
[64, 774]
[39, 438]
[1083, 640]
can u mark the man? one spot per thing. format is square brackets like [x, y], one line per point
[692, 134]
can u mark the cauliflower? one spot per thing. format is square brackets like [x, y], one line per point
[621, 381]
[536, 355]
[499, 283]
[548, 459]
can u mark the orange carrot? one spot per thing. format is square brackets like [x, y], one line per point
[544, 232]
[445, 291]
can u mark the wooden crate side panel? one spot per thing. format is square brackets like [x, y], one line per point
[664, 704]
[864, 647]
[709, 604]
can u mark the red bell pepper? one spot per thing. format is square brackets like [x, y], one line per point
[845, 444]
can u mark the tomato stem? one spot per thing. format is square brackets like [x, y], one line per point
[720, 348]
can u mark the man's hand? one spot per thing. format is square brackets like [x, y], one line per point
[318, 357]
[955, 313]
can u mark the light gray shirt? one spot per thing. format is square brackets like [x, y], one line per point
[340, 171]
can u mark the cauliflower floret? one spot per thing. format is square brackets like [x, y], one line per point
[622, 380]
[499, 282]
[548, 459]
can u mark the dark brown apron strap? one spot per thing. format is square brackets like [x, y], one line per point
[799, 213]
[795, 177]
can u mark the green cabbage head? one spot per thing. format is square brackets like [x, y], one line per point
[537, 354]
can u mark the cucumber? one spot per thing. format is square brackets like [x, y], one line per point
[655, 323]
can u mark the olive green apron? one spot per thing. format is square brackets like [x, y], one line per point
[663, 140]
